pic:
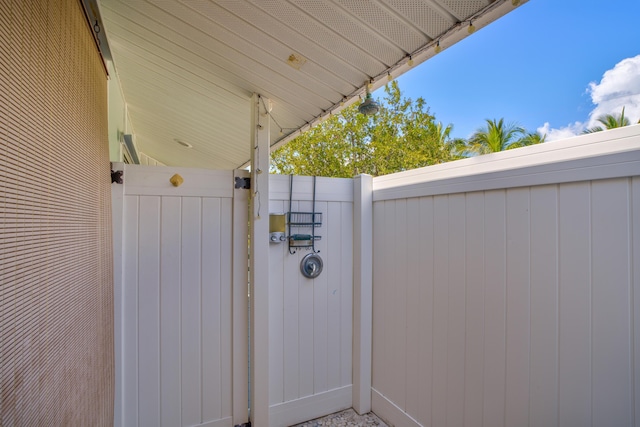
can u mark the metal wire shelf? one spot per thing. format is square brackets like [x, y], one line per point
[305, 219]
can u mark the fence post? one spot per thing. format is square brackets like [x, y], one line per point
[259, 263]
[362, 291]
[117, 219]
[240, 307]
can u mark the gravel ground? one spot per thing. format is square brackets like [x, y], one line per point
[345, 418]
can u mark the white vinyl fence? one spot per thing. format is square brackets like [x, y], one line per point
[506, 289]
[180, 298]
[496, 291]
[310, 320]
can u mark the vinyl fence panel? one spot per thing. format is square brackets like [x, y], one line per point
[505, 288]
[311, 320]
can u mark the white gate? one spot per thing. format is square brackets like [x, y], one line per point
[180, 298]
[311, 320]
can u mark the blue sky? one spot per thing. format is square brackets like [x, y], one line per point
[542, 65]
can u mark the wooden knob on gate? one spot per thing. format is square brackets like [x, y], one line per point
[176, 180]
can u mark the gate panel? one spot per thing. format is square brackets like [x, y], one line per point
[176, 340]
[311, 320]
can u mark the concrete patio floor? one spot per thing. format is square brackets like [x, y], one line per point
[345, 418]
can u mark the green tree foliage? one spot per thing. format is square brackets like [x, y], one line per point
[497, 136]
[531, 138]
[403, 135]
[610, 121]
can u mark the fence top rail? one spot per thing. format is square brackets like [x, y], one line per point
[142, 180]
[327, 189]
[608, 154]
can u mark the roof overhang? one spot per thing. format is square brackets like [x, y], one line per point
[188, 69]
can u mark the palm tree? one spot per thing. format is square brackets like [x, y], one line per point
[440, 132]
[496, 136]
[531, 138]
[610, 121]
[459, 148]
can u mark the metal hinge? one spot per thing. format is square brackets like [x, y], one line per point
[243, 183]
[117, 176]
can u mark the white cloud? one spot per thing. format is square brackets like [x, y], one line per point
[562, 133]
[619, 87]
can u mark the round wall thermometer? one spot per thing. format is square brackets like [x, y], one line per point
[311, 266]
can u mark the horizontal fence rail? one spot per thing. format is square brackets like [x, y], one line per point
[600, 155]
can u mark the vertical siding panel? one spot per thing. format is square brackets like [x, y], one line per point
[170, 312]
[224, 247]
[425, 338]
[611, 292]
[456, 310]
[214, 305]
[379, 266]
[149, 311]
[543, 384]
[291, 333]
[277, 329]
[399, 305]
[379, 274]
[305, 316]
[440, 315]
[495, 309]
[346, 316]
[518, 306]
[414, 275]
[191, 313]
[335, 289]
[388, 295]
[320, 366]
[575, 314]
[474, 345]
[388, 378]
[130, 268]
[635, 301]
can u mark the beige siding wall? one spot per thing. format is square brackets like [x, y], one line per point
[511, 306]
[56, 313]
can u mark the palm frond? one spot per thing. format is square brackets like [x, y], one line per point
[610, 121]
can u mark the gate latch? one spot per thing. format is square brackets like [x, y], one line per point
[243, 183]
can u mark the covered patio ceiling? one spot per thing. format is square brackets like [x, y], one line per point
[188, 68]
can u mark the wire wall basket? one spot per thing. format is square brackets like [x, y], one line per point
[305, 219]
[302, 225]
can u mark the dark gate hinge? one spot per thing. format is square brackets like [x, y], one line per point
[116, 176]
[244, 183]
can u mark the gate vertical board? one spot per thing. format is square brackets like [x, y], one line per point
[176, 340]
